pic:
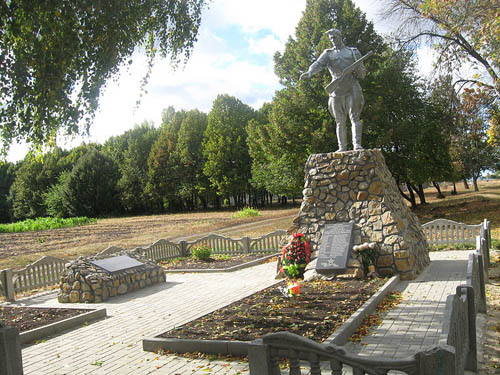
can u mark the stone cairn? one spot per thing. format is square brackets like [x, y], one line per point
[83, 282]
[357, 186]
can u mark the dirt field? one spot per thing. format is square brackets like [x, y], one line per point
[18, 249]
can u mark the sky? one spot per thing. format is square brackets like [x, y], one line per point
[234, 55]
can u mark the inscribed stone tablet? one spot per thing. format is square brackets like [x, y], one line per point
[118, 263]
[335, 247]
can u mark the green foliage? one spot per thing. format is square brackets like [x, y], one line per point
[225, 149]
[495, 244]
[246, 212]
[33, 178]
[56, 57]
[43, 223]
[7, 176]
[189, 153]
[133, 166]
[201, 252]
[54, 198]
[456, 246]
[164, 171]
[462, 31]
[298, 122]
[90, 188]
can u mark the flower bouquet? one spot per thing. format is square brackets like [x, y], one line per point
[368, 253]
[295, 257]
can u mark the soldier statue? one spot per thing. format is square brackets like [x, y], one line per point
[346, 98]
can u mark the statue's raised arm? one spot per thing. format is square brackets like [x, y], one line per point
[345, 65]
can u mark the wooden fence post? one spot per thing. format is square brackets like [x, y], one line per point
[6, 276]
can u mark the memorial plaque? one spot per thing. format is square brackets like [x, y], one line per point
[118, 263]
[335, 247]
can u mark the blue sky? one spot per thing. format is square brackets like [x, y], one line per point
[233, 55]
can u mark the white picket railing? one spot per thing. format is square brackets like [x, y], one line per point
[448, 232]
[47, 270]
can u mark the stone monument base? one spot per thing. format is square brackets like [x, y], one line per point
[356, 186]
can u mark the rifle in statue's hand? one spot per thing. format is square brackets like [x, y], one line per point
[332, 86]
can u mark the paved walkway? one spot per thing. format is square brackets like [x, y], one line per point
[416, 322]
[114, 346]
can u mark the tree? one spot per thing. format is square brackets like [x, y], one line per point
[134, 168]
[90, 189]
[298, 121]
[7, 176]
[33, 179]
[163, 166]
[461, 30]
[272, 170]
[470, 142]
[189, 152]
[57, 55]
[225, 149]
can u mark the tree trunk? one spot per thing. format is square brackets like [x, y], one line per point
[419, 189]
[454, 192]
[413, 199]
[410, 198]
[421, 194]
[438, 188]
[466, 185]
[474, 181]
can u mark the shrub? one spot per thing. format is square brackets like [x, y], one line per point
[201, 252]
[246, 212]
[42, 223]
[495, 244]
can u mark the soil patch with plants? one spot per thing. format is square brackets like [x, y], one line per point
[27, 318]
[214, 262]
[315, 312]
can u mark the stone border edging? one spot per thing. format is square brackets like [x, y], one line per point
[230, 269]
[342, 334]
[62, 325]
[240, 348]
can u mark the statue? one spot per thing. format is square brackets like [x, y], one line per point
[346, 98]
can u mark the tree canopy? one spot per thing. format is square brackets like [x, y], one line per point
[461, 30]
[57, 55]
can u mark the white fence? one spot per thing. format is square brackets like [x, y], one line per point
[448, 232]
[47, 270]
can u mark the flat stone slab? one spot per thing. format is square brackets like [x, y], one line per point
[335, 247]
[118, 263]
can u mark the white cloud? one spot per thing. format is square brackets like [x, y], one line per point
[267, 45]
[280, 16]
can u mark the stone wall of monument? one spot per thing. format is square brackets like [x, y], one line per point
[357, 186]
[82, 281]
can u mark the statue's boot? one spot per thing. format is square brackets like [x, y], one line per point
[357, 130]
[342, 137]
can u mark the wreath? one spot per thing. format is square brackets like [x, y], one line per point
[295, 257]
